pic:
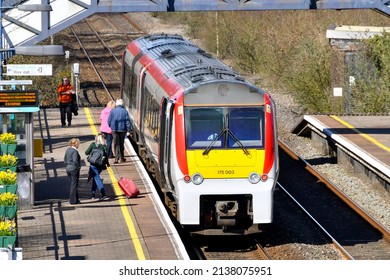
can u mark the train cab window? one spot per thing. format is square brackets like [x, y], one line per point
[203, 126]
[224, 127]
[246, 125]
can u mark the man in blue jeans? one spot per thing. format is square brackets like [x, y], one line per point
[119, 122]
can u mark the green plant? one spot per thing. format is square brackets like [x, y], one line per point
[8, 199]
[8, 177]
[309, 77]
[288, 50]
[371, 91]
[8, 138]
[8, 160]
[7, 228]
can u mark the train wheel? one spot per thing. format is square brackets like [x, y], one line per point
[142, 153]
[152, 169]
[170, 203]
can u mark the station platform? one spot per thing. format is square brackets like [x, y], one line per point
[117, 228]
[362, 142]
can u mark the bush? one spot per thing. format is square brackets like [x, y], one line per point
[46, 85]
[308, 77]
[371, 92]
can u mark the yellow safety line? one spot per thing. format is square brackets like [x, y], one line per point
[369, 138]
[122, 201]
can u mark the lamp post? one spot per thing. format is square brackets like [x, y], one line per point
[76, 73]
[1, 41]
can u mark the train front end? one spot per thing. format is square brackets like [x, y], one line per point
[230, 163]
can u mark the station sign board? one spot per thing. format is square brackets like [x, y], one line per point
[18, 98]
[29, 70]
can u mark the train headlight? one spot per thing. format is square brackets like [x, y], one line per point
[197, 179]
[254, 177]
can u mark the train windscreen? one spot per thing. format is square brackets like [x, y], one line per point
[224, 127]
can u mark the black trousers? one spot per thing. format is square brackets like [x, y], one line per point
[109, 144]
[66, 112]
[74, 176]
[119, 144]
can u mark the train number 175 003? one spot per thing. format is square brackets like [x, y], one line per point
[225, 172]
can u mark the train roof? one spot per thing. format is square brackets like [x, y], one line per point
[184, 61]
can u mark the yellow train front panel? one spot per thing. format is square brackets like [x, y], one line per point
[221, 163]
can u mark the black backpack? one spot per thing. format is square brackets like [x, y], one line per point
[96, 157]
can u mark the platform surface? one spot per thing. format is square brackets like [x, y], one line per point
[117, 228]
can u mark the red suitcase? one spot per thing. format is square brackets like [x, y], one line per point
[128, 187]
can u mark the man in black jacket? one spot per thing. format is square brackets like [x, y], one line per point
[119, 122]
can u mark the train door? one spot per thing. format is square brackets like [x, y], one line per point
[141, 115]
[163, 128]
[165, 152]
[141, 100]
[166, 136]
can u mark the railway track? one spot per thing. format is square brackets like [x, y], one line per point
[229, 248]
[347, 226]
[100, 50]
[311, 215]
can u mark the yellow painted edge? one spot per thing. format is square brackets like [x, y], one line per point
[369, 138]
[125, 212]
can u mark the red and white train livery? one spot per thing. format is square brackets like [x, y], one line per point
[207, 135]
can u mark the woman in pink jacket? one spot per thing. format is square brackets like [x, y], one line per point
[105, 128]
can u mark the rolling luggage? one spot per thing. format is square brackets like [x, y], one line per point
[128, 187]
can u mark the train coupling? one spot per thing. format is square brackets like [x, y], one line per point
[226, 212]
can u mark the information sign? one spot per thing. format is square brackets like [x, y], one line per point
[29, 70]
[17, 98]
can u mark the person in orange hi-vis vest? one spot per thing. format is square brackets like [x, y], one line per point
[66, 95]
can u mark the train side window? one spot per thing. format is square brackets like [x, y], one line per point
[126, 78]
[152, 114]
[246, 124]
[133, 91]
[202, 126]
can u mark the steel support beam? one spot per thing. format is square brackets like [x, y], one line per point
[27, 28]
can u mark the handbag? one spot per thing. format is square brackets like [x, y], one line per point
[75, 107]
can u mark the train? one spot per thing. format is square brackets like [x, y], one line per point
[206, 135]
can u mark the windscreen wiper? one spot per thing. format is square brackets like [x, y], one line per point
[238, 142]
[222, 132]
[208, 149]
